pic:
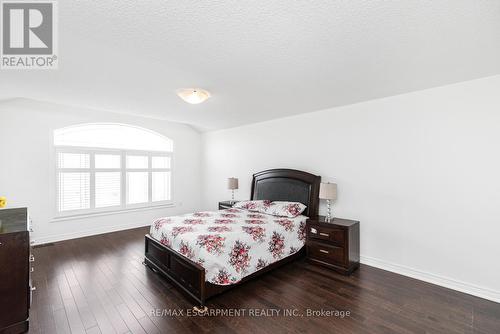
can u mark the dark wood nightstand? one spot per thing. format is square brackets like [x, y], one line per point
[226, 204]
[333, 244]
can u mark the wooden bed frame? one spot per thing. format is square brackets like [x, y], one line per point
[273, 184]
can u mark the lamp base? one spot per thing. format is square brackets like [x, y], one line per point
[328, 217]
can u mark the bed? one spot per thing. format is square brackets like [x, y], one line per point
[188, 249]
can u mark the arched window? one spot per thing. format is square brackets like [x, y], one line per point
[105, 167]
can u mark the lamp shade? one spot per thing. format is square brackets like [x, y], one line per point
[328, 191]
[232, 183]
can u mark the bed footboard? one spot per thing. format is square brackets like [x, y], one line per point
[189, 276]
[186, 274]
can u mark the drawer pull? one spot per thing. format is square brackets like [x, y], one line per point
[32, 258]
[324, 251]
[33, 288]
[324, 234]
[313, 230]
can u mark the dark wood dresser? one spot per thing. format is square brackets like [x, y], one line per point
[333, 244]
[15, 289]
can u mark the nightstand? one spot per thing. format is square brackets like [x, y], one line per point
[333, 244]
[226, 204]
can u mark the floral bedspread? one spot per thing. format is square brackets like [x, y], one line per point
[231, 244]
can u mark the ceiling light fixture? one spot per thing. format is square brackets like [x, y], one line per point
[193, 95]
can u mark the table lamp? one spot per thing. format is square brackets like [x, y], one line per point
[328, 191]
[232, 184]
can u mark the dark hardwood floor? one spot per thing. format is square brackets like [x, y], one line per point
[98, 285]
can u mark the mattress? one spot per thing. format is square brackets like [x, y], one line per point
[233, 243]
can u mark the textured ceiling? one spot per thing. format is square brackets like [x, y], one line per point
[259, 59]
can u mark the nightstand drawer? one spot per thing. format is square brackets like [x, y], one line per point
[336, 235]
[326, 253]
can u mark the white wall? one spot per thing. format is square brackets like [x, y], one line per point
[27, 167]
[421, 171]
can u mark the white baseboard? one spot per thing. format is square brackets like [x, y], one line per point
[434, 279]
[87, 233]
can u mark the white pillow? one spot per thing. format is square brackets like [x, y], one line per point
[257, 206]
[285, 209]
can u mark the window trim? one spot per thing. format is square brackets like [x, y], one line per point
[123, 207]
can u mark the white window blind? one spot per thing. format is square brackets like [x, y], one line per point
[107, 161]
[74, 160]
[107, 189]
[160, 162]
[161, 186]
[73, 181]
[137, 161]
[137, 187]
[93, 180]
[74, 191]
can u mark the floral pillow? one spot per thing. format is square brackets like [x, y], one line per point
[285, 209]
[257, 206]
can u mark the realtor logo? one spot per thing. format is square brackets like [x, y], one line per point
[28, 35]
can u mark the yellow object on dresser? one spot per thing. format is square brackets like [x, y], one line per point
[3, 202]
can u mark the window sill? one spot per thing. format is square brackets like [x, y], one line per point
[111, 212]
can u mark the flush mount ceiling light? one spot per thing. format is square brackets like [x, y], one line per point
[193, 95]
